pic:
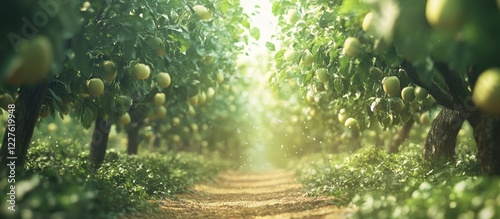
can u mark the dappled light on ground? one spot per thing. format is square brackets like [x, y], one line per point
[270, 194]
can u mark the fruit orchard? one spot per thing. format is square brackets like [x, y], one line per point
[128, 101]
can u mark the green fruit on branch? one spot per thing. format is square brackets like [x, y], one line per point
[159, 99]
[176, 121]
[310, 97]
[486, 93]
[397, 104]
[289, 55]
[194, 100]
[141, 71]
[408, 94]
[194, 127]
[390, 84]
[176, 138]
[95, 87]
[52, 127]
[445, 14]
[202, 98]
[292, 16]
[352, 47]
[376, 73]
[322, 75]
[220, 77]
[351, 123]
[421, 93]
[161, 112]
[125, 119]
[429, 101]
[307, 59]
[163, 79]
[425, 118]
[156, 44]
[342, 116]
[109, 68]
[368, 22]
[202, 12]
[210, 93]
[35, 59]
[191, 110]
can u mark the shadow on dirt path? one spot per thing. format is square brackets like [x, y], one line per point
[274, 194]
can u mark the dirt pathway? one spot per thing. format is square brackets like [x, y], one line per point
[273, 194]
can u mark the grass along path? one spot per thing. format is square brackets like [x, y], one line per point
[274, 194]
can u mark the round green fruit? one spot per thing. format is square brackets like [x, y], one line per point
[159, 99]
[322, 75]
[375, 73]
[390, 84]
[421, 93]
[202, 12]
[210, 93]
[161, 112]
[141, 71]
[292, 16]
[176, 121]
[220, 77]
[368, 22]
[408, 94]
[191, 110]
[194, 100]
[397, 104]
[425, 118]
[163, 80]
[351, 123]
[109, 68]
[289, 55]
[36, 57]
[95, 87]
[429, 101]
[342, 116]
[486, 93]
[352, 47]
[125, 119]
[445, 14]
[307, 59]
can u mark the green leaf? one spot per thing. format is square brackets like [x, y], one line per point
[255, 33]
[270, 46]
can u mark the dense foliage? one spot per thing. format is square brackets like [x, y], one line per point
[59, 183]
[382, 185]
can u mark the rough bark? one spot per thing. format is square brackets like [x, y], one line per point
[487, 136]
[27, 108]
[402, 135]
[356, 137]
[99, 142]
[442, 137]
[133, 137]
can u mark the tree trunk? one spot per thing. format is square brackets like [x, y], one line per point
[487, 136]
[356, 137]
[442, 137]
[402, 135]
[27, 108]
[133, 137]
[99, 142]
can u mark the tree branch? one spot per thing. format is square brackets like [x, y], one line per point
[441, 96]
[462, 97]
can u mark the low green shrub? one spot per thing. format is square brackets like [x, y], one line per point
[404, 185]
[58, 182]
